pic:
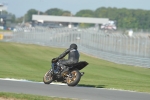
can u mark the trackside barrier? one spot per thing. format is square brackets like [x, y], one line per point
[114, 47]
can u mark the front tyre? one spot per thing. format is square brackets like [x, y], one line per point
[74, 79]
[47, 79]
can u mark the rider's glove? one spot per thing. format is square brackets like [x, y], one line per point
[54, 59]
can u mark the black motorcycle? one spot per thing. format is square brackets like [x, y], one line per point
[70, 77]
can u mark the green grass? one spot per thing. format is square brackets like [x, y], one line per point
[22, 61]
[15, 96]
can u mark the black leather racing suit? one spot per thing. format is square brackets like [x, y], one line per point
[73, 57]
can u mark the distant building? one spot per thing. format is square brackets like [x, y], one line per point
[3, 17]
[71, 20]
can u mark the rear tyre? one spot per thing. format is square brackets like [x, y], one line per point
[74, 80]
[47, 79]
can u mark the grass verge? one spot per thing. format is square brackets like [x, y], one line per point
[15, 96]
[22, 61]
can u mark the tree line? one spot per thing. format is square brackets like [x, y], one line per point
[125, 18]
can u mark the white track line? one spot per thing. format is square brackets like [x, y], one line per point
[24, 80]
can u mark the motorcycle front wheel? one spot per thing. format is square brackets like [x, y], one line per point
[47, 79]
[74, 79]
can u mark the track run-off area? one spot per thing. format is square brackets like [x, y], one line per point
[64, 91]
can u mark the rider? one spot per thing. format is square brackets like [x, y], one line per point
[73, 57]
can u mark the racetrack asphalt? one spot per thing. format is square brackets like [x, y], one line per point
[64, 91]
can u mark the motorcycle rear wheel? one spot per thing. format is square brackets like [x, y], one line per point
[47, 79]
[74, 80]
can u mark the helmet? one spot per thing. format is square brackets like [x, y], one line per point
[74, 46]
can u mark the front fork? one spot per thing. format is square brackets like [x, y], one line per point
[54, 70]
[52, 66]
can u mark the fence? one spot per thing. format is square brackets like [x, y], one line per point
[114, 47]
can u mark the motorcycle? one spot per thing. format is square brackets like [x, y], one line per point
[70, 77]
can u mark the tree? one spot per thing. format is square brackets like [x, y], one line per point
[101, 12]
[85, 13]
[28, 15]
[66, 13]
[54, 11]
[11, 16]
[19, 20]
[125, 18]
